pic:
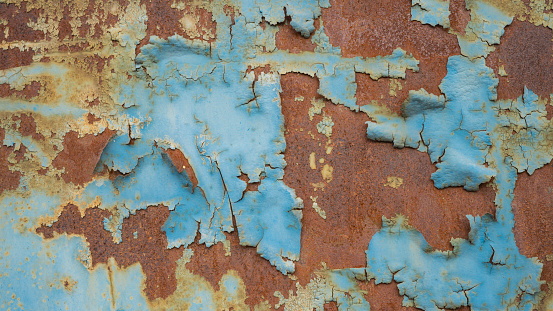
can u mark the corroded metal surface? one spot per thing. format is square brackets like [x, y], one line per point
[100, 75]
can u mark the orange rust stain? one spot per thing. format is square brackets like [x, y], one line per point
[525, 52]
[356, 199]
[181, 163]
[533, 211]
[8, 180]
[149, 248]
[80, 155]
[260, 278]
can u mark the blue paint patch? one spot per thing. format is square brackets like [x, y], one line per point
[485, 272]
[432, 12]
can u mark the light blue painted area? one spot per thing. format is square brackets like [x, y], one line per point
[34, 271]
[303, 13]
[345, 291]
[472, 138]
[200, 99]
[432, 12]
[484, 29]
[485, 272]
[272, 229]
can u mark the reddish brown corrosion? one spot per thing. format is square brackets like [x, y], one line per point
[373, 28]
[533, 217]
[80, 155]
[9, 180]
[181, 163]
[29, 91]
[261, 279]
[525, 52]
[164, 21]
[149, 248]
[27, 126]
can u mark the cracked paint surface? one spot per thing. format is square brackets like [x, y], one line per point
[192, 121]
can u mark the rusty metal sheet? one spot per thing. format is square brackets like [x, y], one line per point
[260, 155]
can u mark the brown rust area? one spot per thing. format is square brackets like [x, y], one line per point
[459, 16]
[149, 248]
[260, 278]
[356, 198]
[29, 91]
[526, 54]
[373, 28]
[8, 180]
[13, 57]
[80, 155]
[533, 211]
[27, 126]
[165, 21]
[18, 18]
[180, 161]
[289, 39]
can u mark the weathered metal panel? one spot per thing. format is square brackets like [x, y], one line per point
[244, 154]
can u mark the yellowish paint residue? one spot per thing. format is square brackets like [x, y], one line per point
[299, 98]
[547, 302]
[502, 71]
[262, 306]
[317, 107]
[394, 182]
[395, 85]
[312, 161]
[226, 247]
[549, 257]
[328, 147]
[317, 208]
[319, 185]
[326, 171]
[320, 290]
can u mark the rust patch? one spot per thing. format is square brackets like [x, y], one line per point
[261, 279]
[533, 211]
[149, 248]
[525, 52]
[373, 28]
[27, 126]
[289, 39]
[29, 91]
[18, 17]
[165, 21]
[459, 16]
[8, 180]
[356, 199]
[80, 155]
[13, 57]
[181, 163]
